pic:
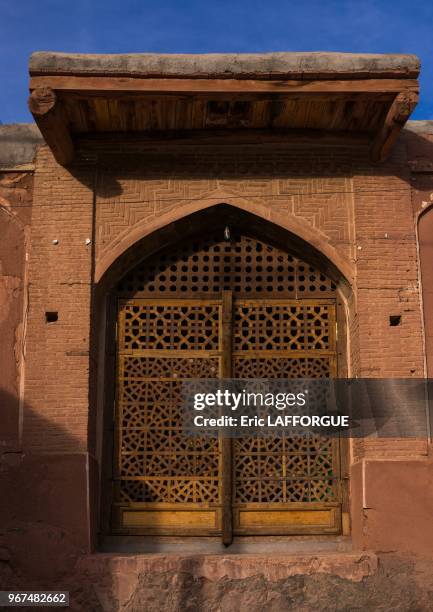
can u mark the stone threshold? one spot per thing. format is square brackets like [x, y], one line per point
[348, 565]
[117, 578]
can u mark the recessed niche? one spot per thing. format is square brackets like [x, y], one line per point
[394, 320]
[51, 317]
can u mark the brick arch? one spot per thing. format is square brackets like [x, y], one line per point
[180, 224]
[301, 236]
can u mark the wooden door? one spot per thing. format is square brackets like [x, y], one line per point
[165, 482]
[285, 485]
[242, 309]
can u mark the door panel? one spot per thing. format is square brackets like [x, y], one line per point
[168, 483]
[243, 308]
[165, 482]
[285, 485]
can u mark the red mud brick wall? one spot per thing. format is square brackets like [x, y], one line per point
[360, 212]
[57, 364]
[391, 499]
[15, 217]
[118, 190]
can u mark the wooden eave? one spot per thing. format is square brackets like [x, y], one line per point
[358, 109]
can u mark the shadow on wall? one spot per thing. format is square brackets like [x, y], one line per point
[239, 161]
[44, 513]
[235, 171]
[419, 145]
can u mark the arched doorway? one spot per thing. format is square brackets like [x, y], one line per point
[172, 312]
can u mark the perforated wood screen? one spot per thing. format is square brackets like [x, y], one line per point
[282, 339]
[168, 331]
[159, 345]
[244, 265]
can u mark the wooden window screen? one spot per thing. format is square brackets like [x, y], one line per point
[168, 483]
[245, 266]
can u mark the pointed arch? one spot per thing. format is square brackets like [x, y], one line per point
[198, 216]
[192, 223]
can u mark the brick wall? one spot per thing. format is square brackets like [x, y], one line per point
[115, 194]
[387, 274]
[15, 218]
[358, 213]
[57, 364]
[420, 159]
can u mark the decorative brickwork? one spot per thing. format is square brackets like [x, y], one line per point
[315, 189]
[359, 211]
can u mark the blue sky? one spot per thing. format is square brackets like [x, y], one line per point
[208, 26]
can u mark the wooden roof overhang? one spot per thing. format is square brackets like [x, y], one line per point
[365, 98]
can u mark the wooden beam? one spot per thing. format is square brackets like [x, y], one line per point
[91, 84]
[138, 96]
[397, 115]
[50, 118]
[237, 136]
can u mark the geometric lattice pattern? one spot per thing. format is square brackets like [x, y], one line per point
[281, 327]
[169, 490]
[295, 469]
[168, 367]
[169, 326]
[281, 367]
[281, 469]
[244, 265]
[156, 461]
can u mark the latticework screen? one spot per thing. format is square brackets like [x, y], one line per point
[157, 463]
[284, 340]
[170, 328]
[246, 266]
